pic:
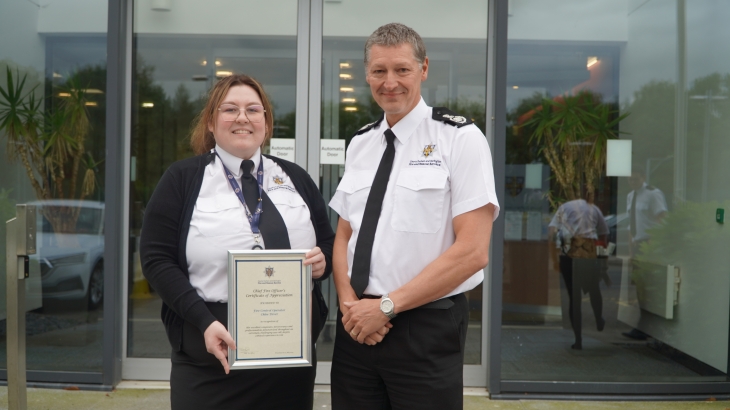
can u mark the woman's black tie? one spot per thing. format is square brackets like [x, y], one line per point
[272, 226]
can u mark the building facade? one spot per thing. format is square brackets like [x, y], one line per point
[623, 104]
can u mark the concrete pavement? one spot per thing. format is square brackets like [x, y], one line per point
[155, 396]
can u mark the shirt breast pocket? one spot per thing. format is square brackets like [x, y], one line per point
[356, 187]
[643, 207]
[419, 200]
[295, 213]
[219, 215]
[292, 208]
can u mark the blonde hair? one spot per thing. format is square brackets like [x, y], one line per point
[202, 139]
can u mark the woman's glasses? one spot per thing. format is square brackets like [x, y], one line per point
[229, 112]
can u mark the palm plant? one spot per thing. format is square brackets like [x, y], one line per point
[572, 133]
[50, 144]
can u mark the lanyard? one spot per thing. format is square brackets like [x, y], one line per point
[254, 218]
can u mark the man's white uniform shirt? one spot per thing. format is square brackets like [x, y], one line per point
[219, 222]
[650, 203]
[439, 172]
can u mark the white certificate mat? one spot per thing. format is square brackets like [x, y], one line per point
[269, 308]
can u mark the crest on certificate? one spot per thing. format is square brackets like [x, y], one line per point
[269, 272]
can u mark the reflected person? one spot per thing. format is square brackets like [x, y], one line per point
[646, 207]
[201, 208]
[578, 224]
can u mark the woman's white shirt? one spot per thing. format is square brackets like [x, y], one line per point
[219, 222]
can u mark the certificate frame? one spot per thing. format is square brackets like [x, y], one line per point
[269, 309]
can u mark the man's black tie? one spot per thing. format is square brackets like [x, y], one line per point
[272, 226]
[632, 215]
[373, 206]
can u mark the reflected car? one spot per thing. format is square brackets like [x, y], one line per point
[72, 263]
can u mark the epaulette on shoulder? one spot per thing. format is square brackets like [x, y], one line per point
[370, 126]
[450, 117]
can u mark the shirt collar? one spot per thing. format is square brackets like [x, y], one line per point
[404, 128]
[233, 163]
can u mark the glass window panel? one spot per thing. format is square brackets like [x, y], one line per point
[456, 44]
[655, 309]
[57, 164]
[179, 52]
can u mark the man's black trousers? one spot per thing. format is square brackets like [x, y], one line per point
[419, 364]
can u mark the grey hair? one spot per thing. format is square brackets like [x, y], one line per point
[394, 34]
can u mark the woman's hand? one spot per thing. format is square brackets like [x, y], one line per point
[217, 342]
[315, 257]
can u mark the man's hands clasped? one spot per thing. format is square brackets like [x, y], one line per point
[364, 321]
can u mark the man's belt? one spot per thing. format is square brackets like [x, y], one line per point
[445, 303]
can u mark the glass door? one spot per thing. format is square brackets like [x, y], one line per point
[181, 47]
[179, 50]
[53, 83]
[457, 51]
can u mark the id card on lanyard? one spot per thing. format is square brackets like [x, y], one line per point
[255, 217]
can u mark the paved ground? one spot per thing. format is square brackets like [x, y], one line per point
[158, 399]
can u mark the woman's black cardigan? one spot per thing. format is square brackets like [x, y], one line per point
[165, 233]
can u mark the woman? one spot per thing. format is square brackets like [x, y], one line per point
[195, 216]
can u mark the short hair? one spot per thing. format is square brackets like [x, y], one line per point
[201, 138]
[638, 171]
[394, 34]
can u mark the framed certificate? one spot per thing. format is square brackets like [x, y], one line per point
[269, 309]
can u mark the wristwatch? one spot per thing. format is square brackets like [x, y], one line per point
[387, 306]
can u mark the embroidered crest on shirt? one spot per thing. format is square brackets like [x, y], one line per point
[427, 157]
[428, 150]
[280, 182]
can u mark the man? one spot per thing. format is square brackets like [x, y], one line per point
[416, 206]
[579, 224]
[646, 207]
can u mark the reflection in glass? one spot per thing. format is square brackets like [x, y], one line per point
[661, 268]
[52, 149]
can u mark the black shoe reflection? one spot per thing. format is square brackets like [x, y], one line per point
[635, 334]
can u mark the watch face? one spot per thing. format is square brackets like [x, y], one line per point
[387, 305]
